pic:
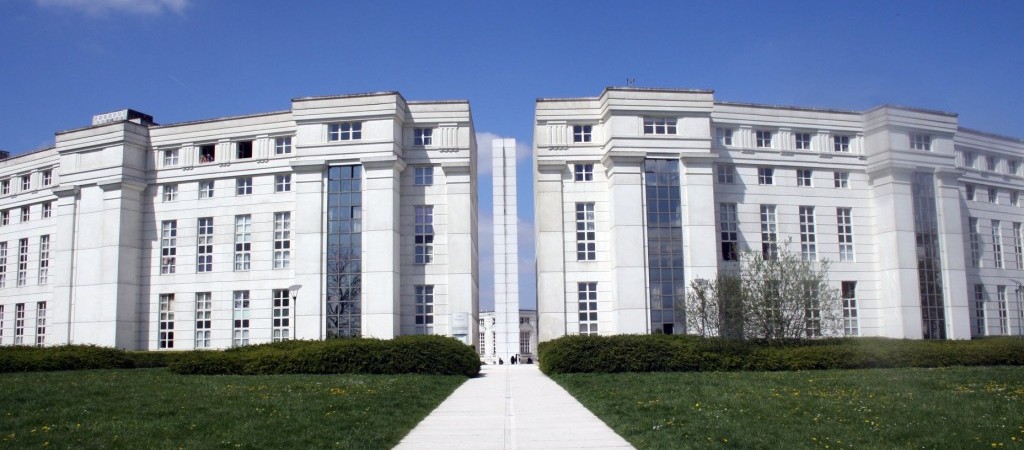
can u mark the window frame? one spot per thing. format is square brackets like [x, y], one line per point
[586, 231]
[766, 176]
[583, 172]
[243, 186]
[423, 137]
[582, 134]
[423, 175]
[423, 234]
[802, 144]
[283, 145]
[283, 182]
[660, 125]
[345, 131]
[805, 177]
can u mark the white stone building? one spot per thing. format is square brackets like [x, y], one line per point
[526, 345]
[640, 191]
[351, 215]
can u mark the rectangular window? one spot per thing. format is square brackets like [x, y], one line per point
[168, 246]
[282, 240]
[283, 145]
[803, 141]
[971, 160]
[26, 182]
[44, 259]
[1014, 168]
[166, 333]
[47, 210]
[851, 327]
[726, 173]
[980, 327]
[991, 163]
[764, 139]
[25, 214]
[282, 321]
[19, 323]
[47, 177]
[844, 228]
[424, 234]
[769, 232]
[841, 144]
[22, 261]
[240, 319]
[729, 223]
[997, 244]
[970, 192]
[283, 183]
[424, 309]
[1015, 198]
[423, 136]
[583, 172]
[841, 179]
[1004, 316]
[586, 232]
[659, 125]
[921, 142]
[243, 242]
[204, 319]
[587, 295]
[345, 131]
[1018, 244]
[581, 133]
[808, 245]
[974, 229]
[423, 175]
[40, 324]
[993, 195]
[765, 175]
[206, 189]
[5, 187]
[5, 217]
[207, 153]
[3, 266]
[1, 324]
[243, 149]
[170, 157]
[243, 186]
[204, 244]
[812, 311]
[804, 177]
[170, 192]
[723, 136]
[524, 343]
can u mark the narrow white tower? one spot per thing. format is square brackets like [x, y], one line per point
[506, 250]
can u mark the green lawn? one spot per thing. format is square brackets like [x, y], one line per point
[153, 408]
[956, 407]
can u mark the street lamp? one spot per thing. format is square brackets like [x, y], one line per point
[293, 290]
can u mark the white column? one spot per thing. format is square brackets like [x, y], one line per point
[462, 250]
[551, 297]
[308, 221]
[627, 243]
[381, 312]
[700, 238]
[899, 293]
[506, 253]
[954, 274]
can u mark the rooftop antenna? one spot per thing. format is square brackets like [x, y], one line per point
[630, 82]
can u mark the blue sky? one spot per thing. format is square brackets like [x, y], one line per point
[61, 61]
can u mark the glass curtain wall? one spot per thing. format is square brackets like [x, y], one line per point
[344, 250]
[665, 245]
[929, 262]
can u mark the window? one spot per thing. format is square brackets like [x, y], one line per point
[921, 142]
[345, 131]
[240, 319]
[423, 136]
[283, 145]
[243, 186]
[170, 192]
[804, 177]
[204, 245]
[971, 160]
[841, 144]
[423, 175]
[424, 309]
[765, 175]
[993, 195]
[844, 228]
[975, 237]
[243, 149]
[281, 330]
[5, 187]
[206, 189]
[283, 183]
[587, 294]
[583, 172]
[808, 247]
[166, 332]
[726, 173]
[1004, 325]
[769, 232]
[849, 295]
[5, 217]
[997, 244]
[659, 125]
[1014, 168]
[970, 192]
[47, 177]
[581, 133]
[22, 261]
[803, 141]
[1015, 198]
[841, 179]
[40, 324]
[44, 259]
[729, 224]
[170, 157]
[204, 319]
[26, 182]
[47, 210]
[424, 234]
[586, 232]
[25, 214]
[206, 153]
[723, 136]
[764, 139]
[19, 323]
[524, 343]
[980, 327]
[168, 246]
[243, 242]
[991, 163]
[3, 267]
[812, 310]
[1018, 245]
[282, 240]
[1, 324]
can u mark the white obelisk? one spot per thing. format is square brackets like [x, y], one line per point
[506, 250]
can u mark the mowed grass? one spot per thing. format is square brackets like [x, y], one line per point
[153, 408]
[956, 407]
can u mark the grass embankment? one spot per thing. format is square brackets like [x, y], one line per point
[153, 408]
[954, 407]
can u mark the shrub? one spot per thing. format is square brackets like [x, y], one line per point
[66, 357]
[656, 353]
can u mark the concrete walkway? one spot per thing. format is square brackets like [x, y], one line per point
[511, 407]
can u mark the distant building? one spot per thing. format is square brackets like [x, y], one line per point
[527, 343]
[640, 191]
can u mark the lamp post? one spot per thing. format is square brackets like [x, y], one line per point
[293, 291]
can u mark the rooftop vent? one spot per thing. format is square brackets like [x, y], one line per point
[121, 116]
[4, 154]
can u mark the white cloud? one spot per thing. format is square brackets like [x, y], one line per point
[100, 7]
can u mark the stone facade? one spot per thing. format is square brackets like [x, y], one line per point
[526, 343]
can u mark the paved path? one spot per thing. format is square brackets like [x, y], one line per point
[511, 407]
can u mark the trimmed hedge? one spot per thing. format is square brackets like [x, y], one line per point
[65, 357]
[664, 353]
[406, 354]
